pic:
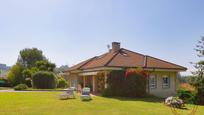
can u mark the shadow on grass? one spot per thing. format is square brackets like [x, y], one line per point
[145, 99]
[86, 100]
[67, 99]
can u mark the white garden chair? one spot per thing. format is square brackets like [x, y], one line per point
[85, 94]
[69, 94]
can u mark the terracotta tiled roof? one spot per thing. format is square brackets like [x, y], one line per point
[99, 61]
[153, 62]
[125, 58]
[79, 65]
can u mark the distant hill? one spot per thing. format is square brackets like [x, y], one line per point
[61, 69]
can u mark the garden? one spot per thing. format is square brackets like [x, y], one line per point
[47, 103]
[35, 73]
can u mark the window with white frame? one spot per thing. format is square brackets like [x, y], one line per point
[152, 81]
[166, 81]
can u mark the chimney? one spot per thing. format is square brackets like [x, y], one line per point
[115, 46]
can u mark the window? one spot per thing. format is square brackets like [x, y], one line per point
[152, 82]
[166, 82]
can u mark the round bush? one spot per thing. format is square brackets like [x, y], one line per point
[44, 80]
[186, 92]
[62, 83]
[21, 87]
[186, 96]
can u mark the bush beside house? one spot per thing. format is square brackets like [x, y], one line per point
[186, 92]
[61, 83]
[125, 85]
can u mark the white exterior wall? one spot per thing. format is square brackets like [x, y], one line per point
[164, 92]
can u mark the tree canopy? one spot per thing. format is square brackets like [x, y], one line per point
[200, 65]
[30, 61]
[29, 56]
[199, 84]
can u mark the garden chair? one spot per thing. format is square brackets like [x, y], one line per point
[85, 94]
[69, 94]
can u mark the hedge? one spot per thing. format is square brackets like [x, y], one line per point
[132, 85]
[44, 80]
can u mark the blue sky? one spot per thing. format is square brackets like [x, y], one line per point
[69, 31]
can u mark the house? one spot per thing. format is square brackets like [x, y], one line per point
[93, 72]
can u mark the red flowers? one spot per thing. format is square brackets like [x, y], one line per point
[136, 71]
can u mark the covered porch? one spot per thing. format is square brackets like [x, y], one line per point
[96, 81]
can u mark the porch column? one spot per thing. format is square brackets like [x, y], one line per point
[94, 82]
[84, 81]
[106, 76]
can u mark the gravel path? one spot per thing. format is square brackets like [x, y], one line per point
[7, 90]
[11, 90]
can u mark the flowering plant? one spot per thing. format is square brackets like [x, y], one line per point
[139, 71]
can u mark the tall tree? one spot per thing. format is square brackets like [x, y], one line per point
[200, 64]
[45, 66]
[15, 75]
[29, 56]
[200, 72]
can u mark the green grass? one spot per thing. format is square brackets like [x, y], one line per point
[47, 103]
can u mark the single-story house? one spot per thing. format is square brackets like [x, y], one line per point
[93, 72]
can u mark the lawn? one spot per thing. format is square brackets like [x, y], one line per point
[47, 103]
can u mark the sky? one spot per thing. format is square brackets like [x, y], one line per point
[70, 31]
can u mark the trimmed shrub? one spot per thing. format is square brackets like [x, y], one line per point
[186, 92]
[186, 96]
[125, 85]
[21, 87]
[62, 83]
[44, 80]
